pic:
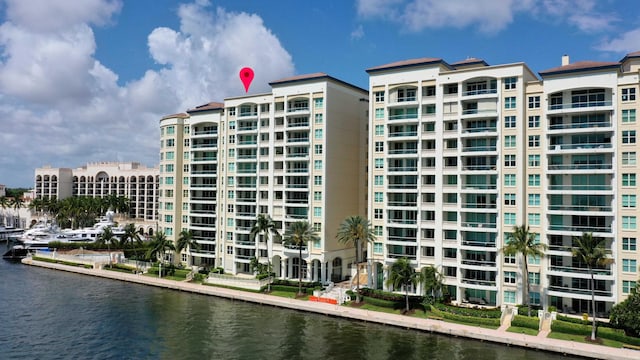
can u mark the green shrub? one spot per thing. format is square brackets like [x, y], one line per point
[525, 322]
[466, 319]
[493, 313]
[123, 267]
[583, 322]
[305, 284]
[199, 277]
[570, 328]
[524, 310]
[390, 296]
[617, 335]
[380, 302]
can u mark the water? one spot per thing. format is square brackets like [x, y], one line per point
[48, 314]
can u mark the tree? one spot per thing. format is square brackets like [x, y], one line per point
[432, 281]
[107, 237]
[524, 243]
[264, 224]
[158, 247]
[17, 203]
[591, 251]
[132, 236]
[186, 241]
[4, 204]
[626, 315]
[402, 274]
[299, 234]
[356, 230]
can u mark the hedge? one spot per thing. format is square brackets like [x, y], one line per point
[294, 289]
[523, 310]
[494, 313]
[390, 296]
[601, 332]
[380, 302]
[583, 322]
[525, 322]
[295, 283]
[466, 319]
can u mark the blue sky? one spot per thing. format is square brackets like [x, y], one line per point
[86, 81]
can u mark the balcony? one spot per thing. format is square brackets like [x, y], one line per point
[581, 125]
[579, 105]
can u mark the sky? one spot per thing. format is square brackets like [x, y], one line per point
[88, 81]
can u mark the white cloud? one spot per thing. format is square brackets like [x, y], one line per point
[61, 106]
[625, 43]
[357, 33]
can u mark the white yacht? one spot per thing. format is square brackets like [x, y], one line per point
[90, 234]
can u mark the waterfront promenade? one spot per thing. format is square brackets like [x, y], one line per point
[427, 325]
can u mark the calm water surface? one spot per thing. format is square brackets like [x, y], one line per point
[48, 314]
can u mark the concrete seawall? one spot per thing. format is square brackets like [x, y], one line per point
[427, 325]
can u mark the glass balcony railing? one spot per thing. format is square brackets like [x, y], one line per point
[580, 208]
[579, 105]
[581, 187]
[580, 125]
[571, 291]
[580, 166]
[577, 270]
[479, 92]
[581, 146]
[581, 229]
[479, 243]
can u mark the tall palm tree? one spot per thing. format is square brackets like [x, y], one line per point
[17, 203]
[591, 251]
[158, 247]
[524, 243]
[186, 241]
[4, 204]
[265, 224]
[132, 236]
[432, 281]
[299, 234]
[107, 237]
[356, 230]
[402, 274]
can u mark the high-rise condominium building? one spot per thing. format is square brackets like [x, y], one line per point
[461, 153]
[136, 182]
[297, 153]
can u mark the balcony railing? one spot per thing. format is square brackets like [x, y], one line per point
[580, 208]
[580, 166]
[479, 282]
[479, 243]
[478, 262]
[402, 151]
[474, 224]
[579, 105]
[402, 168]
[478, 111]
[581, 187]
[402, 203]
[571, 291]
[403, 116]
[478, 206]
[479, 129]
[577, 270]
[403, 133]
[583, 125]
[581, 229]
[479, 92]
[479, 148]
[581, 146]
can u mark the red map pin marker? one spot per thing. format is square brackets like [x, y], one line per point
[246, 75]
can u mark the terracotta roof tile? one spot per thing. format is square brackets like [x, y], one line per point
[579, 66]
[178, 115]
[207, 106]
[469, 61]
[405, 63]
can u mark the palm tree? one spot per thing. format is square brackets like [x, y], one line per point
[4, 204]
[158, 247]
[522, 242]
[107, 237]
[299, 234]
[402, 274]
[17, 204]
[432, 281]
[591, 251]
[264, 224]
[132, 236]
[186, 241]
[356, 230]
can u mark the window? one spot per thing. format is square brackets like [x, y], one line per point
[169, 168]
[628, 94]
[378, 180]
[533, 219]
[379, 146]
[171, 130]
[534, 180]
[629, 158]
[629, 244]
[534, 278]
[534, 102]
[509, 199]
[629, 222]
[318, 103]
[317, 149]
[629, 116]
[510, 141]
[318, 118]
[317, 164]
[317, 180]
[378, 197]
[230, 250]
[628, 201]
[627, 286]
[510, 121]
[170, 142]
[168, 180]
[629, 137]
[317, 211]
[231, 194]
[230, 208]
[378, 214]
[509, 218]
[534, 121]
[509, 160]
[534, 260]
[377, 247]
[168, 218]
[318, 133]
[629, 265]
[510, 102]
[377, 230]
[509, 259]
[510, 180]
[509, 277]
[232, 166]
[628, 179]
[232, 139]
[232, 111]
[379, 163]
[534, 141]
[534, 199]
[510, 297]
[510, 83]
[232, 125]
[379, 96]
[534, 298]
[379, 113]
[534, 160]
[379, 130]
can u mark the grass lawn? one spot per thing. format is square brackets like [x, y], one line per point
[522, 330]
[580, 338]
[288, 295]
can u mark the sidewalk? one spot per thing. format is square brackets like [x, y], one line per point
[427, 325]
